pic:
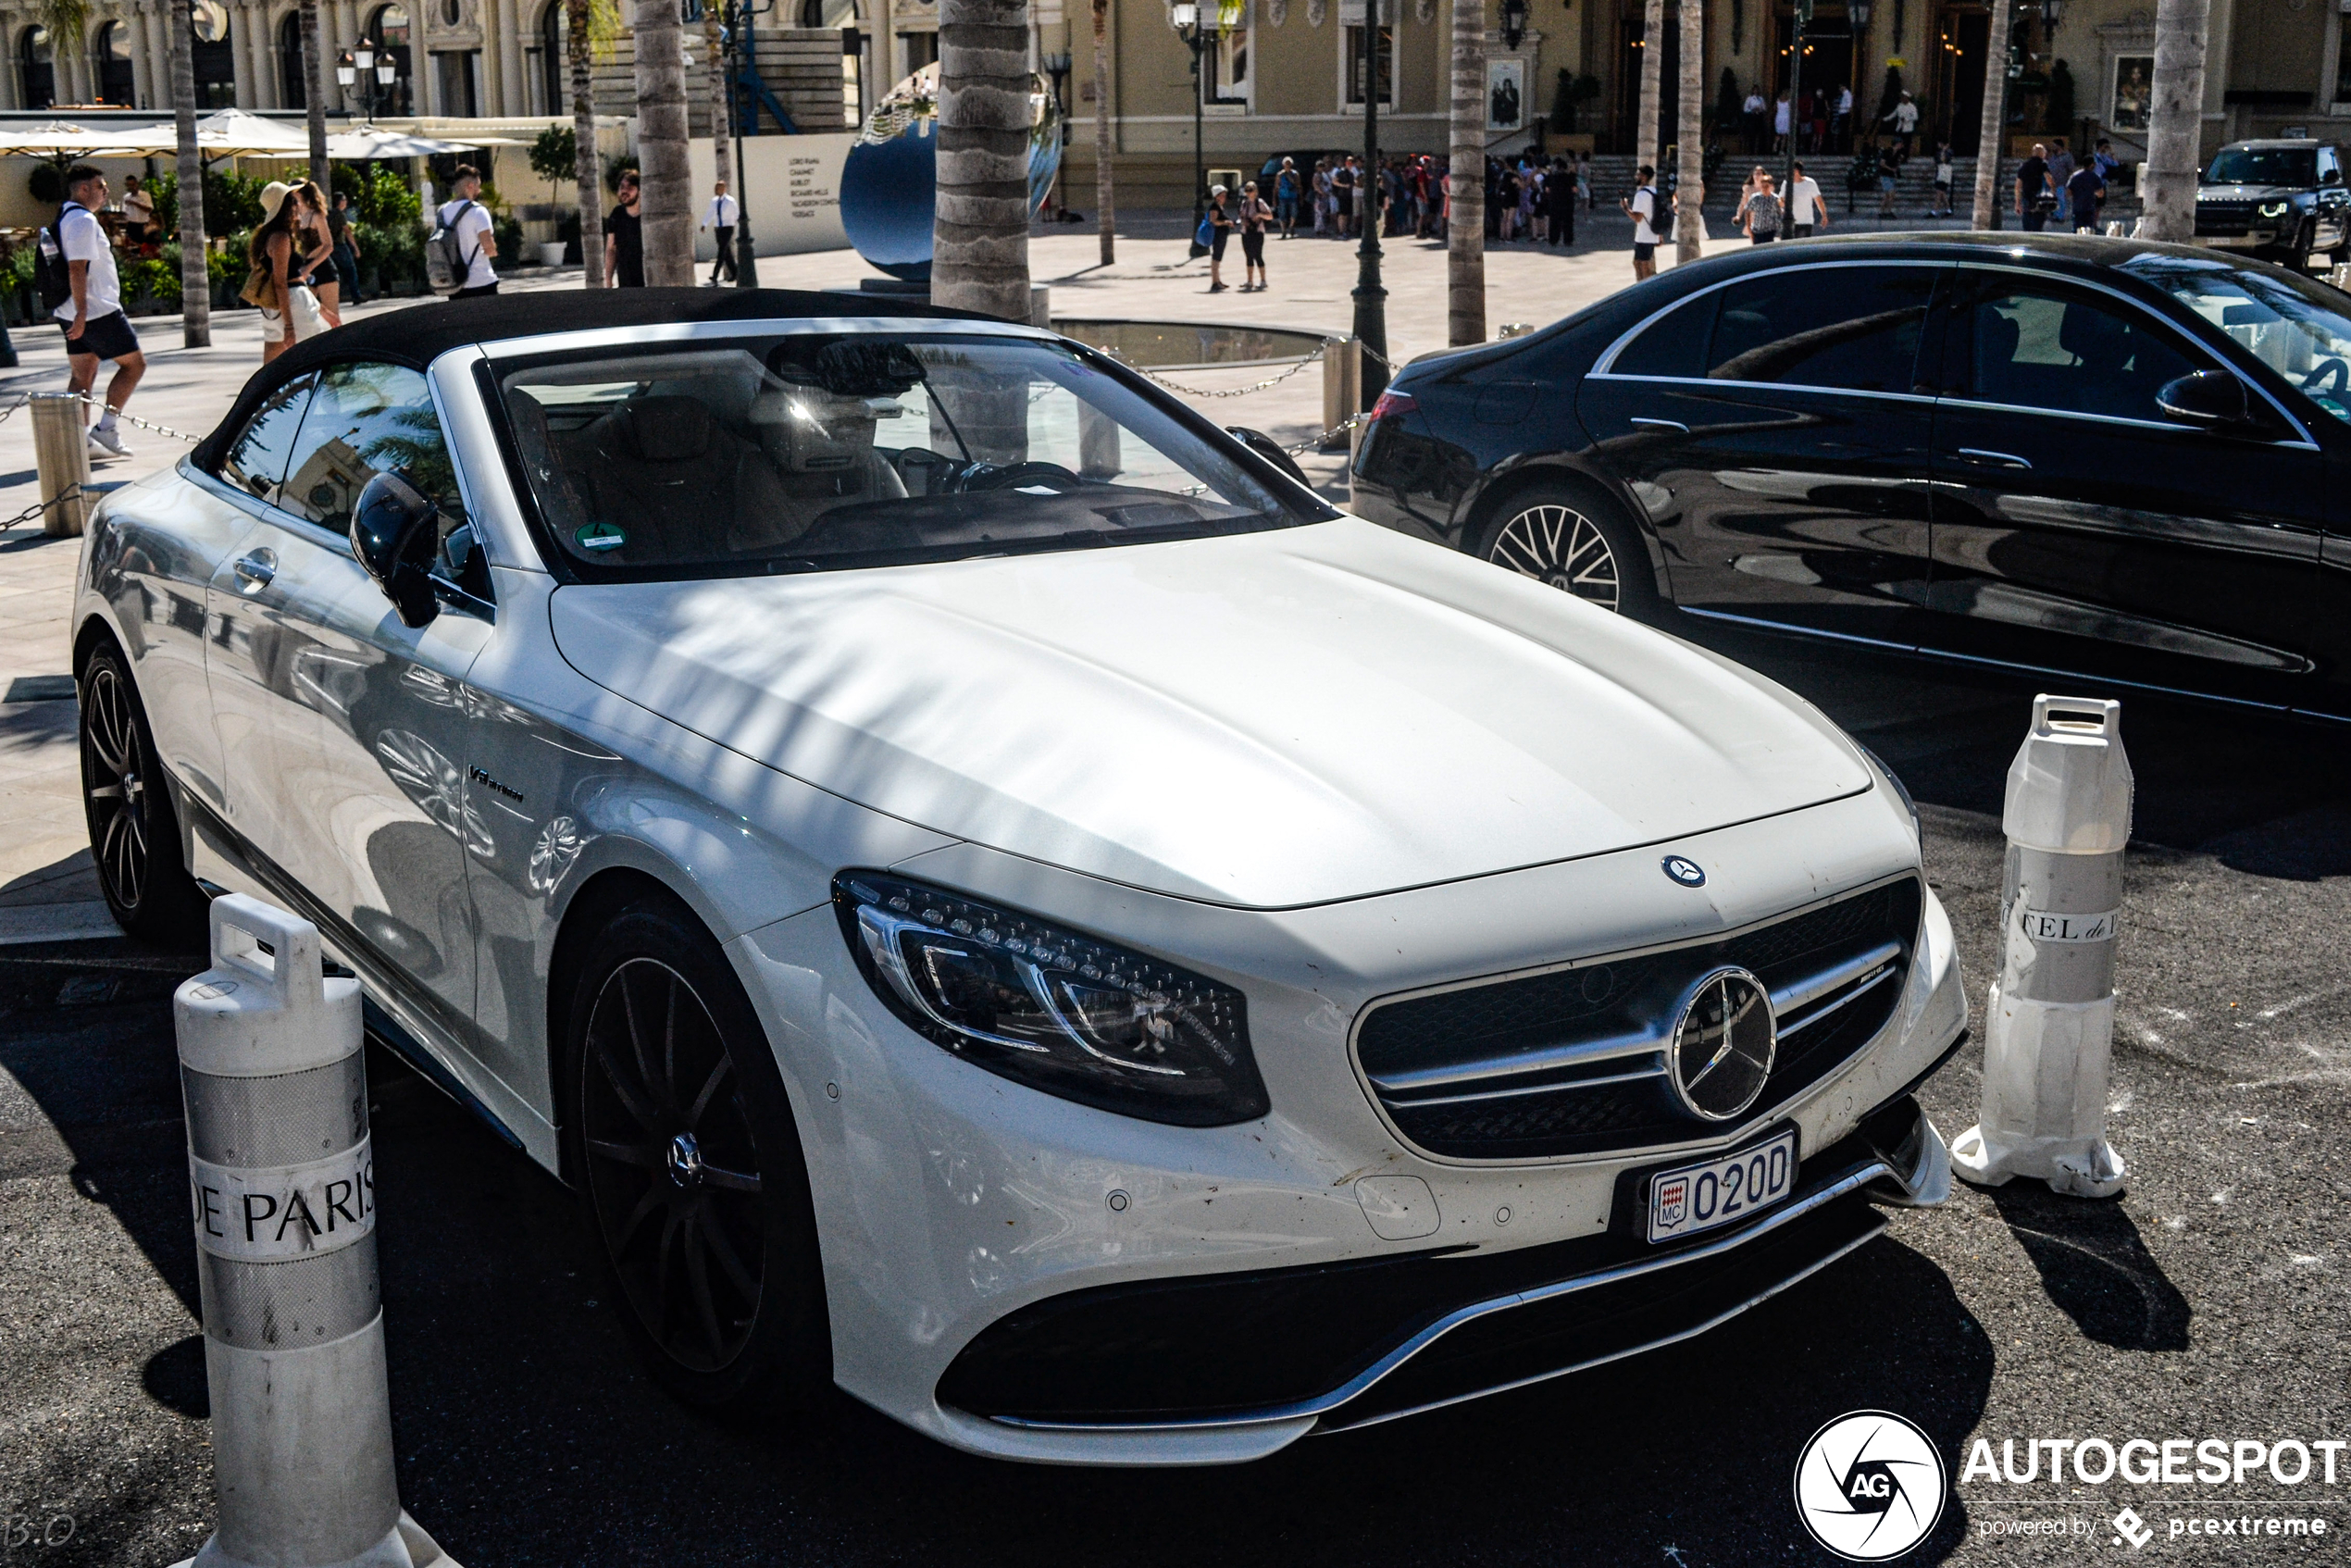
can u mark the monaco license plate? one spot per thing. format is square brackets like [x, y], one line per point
[1722, 1190]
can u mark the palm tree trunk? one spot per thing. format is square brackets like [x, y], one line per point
[588, 170]
[1989, 197]
[195, 274]
[314, 99]
[2175, 120]
[668, 208]
[980, 251]
[1652, 64]
[1108, 222]
[721, 146]
[1690, 187]
[1465, 230]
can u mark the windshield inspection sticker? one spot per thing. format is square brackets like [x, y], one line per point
[600, 536]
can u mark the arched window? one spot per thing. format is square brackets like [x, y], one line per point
[293, 82]
[554, 57]
[36, 77]
[390, 27]
[216, 58]
[111, 55]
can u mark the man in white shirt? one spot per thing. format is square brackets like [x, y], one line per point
[723, 212]
[464, 216]
[1642, 208]
[1803, 201]
[1906, 121]
[92, 316]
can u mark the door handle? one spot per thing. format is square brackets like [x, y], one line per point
[253, 571]
[1984, 459]
[1674, 425]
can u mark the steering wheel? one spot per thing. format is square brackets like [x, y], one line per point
[987, 476]
[2333, 372]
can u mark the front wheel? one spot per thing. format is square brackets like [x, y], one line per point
[695, 1181]
[1575, 539]
[134, 837]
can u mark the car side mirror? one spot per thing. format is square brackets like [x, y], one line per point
[2213, 399]
[393, 533]
[1265, 446]
[2332, 177]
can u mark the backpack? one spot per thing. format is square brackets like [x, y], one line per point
[446, 264]
[51, 274]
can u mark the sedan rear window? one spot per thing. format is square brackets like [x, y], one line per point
[1850, 328]
[819, 452]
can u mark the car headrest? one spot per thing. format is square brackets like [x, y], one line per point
[665, 429]
[2094, 337]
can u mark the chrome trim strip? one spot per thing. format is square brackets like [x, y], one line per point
[1858, 991]
[1520, 1093]
[1853, 1181]
[1803, 993]
[1711, 1324]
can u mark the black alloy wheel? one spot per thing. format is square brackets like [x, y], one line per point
[1575, 540]
[695, 1181]
[134, 837]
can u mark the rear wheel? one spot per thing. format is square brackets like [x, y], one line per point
[134, 837]
[692, 1170]
[1576, 539]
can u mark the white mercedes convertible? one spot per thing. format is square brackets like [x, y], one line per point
[993, 893]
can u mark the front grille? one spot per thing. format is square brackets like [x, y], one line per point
[2223, 219]
[1572, 1061]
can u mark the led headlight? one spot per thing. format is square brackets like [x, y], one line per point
[2276, 209]
[1048, 1007]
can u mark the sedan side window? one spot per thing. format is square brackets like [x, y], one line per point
[1851, 329]
[257, 459]
[2033, 346]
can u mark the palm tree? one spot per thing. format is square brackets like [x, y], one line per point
[2175, 120]
[1108, 222]
[195, 275]
[576, 25]
[1690, 186]
[1465, 230]
[1652, 64]
[979, 249]
[666, 179]
[314, 98]
[63, 20]
[1996, 120]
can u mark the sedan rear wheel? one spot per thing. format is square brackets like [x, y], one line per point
[1574, 541]
[134, 837]
[694, 1180]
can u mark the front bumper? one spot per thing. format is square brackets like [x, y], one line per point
[951, 1202]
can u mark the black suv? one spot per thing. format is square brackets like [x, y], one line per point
[2280, 200]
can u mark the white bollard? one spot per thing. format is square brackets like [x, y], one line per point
[2049, 1024]
[282, 1181]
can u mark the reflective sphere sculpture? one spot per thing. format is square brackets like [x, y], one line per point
[889, 184]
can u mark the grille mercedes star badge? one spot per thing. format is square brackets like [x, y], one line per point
[1723, 1045]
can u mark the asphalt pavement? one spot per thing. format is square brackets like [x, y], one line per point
[2207, 1302]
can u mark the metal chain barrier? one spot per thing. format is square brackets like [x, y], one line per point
[30, 513]
[1313, 358]
[100, 405]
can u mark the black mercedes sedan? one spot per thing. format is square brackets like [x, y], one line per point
[2097, 458]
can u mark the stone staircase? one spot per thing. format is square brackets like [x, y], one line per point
[1612, 178]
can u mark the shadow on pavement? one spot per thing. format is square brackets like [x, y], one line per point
[2096, 1268]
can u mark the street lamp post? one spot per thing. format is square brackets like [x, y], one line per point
[1794, 90]
[1184, 17]
[1857, 13]
[738, 16]
[369, 69]
[1370, 296]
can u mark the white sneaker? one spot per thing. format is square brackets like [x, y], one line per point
[108, 440]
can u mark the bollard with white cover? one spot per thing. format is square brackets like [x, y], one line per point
[281, 1185]
[2050, 1030]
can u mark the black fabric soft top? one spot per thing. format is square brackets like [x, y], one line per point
[416, 335]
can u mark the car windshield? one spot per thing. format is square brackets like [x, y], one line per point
[2296, 326]
[816, 452]
[2264, 166]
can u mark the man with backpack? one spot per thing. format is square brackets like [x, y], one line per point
[74, 270]
[459, 255]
